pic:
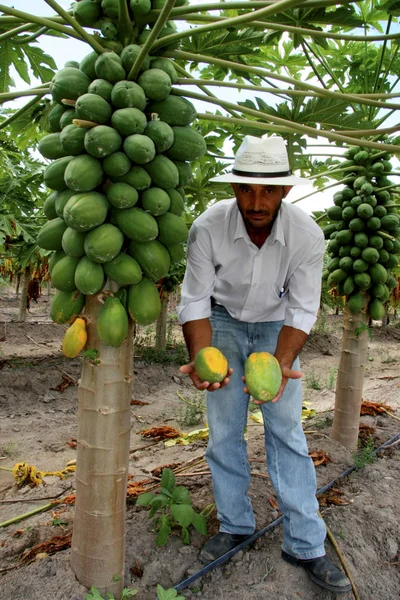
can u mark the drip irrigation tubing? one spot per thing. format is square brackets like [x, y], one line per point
[250, 540]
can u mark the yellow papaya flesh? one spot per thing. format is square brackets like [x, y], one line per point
[75, 338]
[211, 365]
[263, 376]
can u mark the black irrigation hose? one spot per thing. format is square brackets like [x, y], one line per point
[222, 559]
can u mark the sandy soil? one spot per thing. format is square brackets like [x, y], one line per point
[38, 426]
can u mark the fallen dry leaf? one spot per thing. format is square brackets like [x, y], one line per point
[136, 488]
[334, 496]
[365, 432]
[373, 408]
[57, 543]
[69, 499]
[319, 457]
[138, 402]
[67, 381]
[73, 443]
[160, 433]
[157, 471]
[273, 503]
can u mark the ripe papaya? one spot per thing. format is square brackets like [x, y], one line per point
[263, 376]
[211, 365]
[75, 338]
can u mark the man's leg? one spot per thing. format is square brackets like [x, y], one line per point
[293, 477]
[227, 418]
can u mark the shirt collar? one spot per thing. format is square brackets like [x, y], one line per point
[277, 233]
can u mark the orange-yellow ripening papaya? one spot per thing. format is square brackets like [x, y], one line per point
[263, 376]
[211, 365]
[75, 338]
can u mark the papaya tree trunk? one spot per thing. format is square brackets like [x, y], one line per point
[25, 278]
[161, 325]
[104, 395]
[17, 285]
[350, 378]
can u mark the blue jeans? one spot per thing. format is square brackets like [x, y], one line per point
[290, 468]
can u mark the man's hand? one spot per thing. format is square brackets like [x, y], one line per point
[287, 373]
[204, 385]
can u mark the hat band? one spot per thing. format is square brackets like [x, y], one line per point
[250, 174]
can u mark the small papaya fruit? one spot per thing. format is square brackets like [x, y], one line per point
[75, 338]
[211, 365]
[263, 375]
[112, 322]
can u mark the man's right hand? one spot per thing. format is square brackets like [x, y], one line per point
[204, 385]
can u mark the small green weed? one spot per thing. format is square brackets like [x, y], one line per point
[313, 382]
[341, 534]
[389, 359]
[9, 450]
[94, 594]
[365, 455]
[192, 411]
[323, 423]
[170, 594]
[175, 510]
[176, 354]
[331, 380]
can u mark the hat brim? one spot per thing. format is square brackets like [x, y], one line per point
[288, 180]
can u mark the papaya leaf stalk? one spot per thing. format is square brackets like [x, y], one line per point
[44, 22]
[75, 25]
[148, 45]
[294, 127]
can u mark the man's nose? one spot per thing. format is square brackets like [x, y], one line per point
[258, 201]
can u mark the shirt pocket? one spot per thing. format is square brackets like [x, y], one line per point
[281, 291]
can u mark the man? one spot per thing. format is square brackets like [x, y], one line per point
[252, 284]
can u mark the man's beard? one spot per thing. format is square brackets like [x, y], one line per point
[256, 225]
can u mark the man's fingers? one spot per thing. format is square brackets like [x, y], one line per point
[286, 372]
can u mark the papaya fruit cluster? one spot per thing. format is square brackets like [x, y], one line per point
[120, 153]
[104, 15]
[364, 233]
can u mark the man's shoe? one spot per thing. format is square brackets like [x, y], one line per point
[219, 545]
[323, 572]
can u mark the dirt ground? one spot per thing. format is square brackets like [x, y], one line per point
[38, 408]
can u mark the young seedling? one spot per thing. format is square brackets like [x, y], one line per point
[174, 508]
[94, 594]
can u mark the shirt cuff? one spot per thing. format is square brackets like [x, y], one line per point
[193, 311]
[299, 318]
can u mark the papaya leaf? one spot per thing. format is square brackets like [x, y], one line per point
[185, 536]
[163, 532]
[182, 513]
[170, 594]
[180, 495]
[168, 480]
[199, 522]
[145, 499]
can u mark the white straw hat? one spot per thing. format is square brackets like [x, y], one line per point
[262, 160]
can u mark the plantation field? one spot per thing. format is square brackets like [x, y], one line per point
[38, 426]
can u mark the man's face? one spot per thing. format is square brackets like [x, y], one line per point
[259, 204]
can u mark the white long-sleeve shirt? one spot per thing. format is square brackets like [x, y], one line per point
[281, 281]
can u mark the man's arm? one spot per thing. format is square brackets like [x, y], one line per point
[198, 335]
[289, 346]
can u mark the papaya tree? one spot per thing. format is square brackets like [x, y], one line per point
[123, 139]
[21, 196]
